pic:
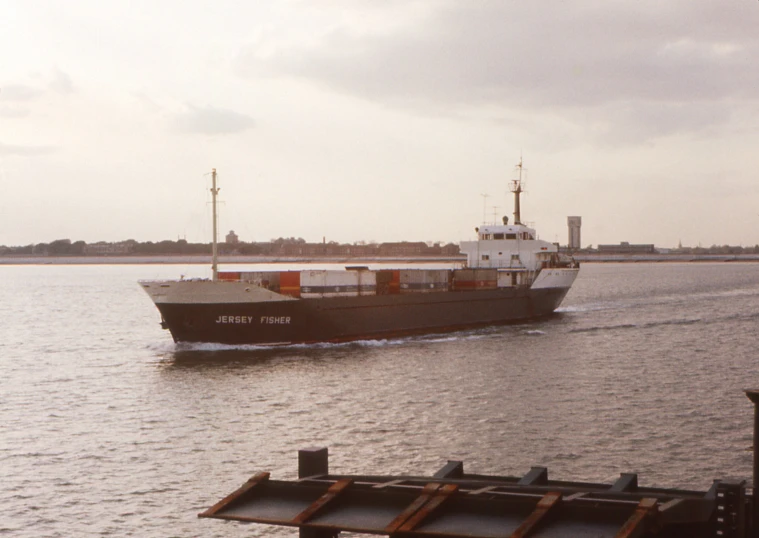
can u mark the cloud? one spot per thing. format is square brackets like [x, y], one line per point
[19, 92]
[14, 112]
[209, 120]
[553, 56]
[61, 82]
[25, 151]
[638, 122]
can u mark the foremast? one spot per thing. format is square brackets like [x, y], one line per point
[214, 242]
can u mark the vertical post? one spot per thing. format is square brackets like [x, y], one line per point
[313, 461]
[214, 246]
[753, 395]
[731, 509]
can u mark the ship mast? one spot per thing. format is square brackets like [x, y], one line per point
[516, 188]
[214, 243]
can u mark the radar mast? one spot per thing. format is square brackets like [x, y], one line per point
[516, 188]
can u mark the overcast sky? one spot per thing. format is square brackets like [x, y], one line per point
[365, 120]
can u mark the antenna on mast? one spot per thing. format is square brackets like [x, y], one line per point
[516, 188]
[484, 206]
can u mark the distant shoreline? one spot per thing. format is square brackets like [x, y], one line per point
[206, 260]
[657, 258]
[231, 260]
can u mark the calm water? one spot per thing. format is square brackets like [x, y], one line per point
[109, 429]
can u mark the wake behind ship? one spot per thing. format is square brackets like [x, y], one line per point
[510, 275]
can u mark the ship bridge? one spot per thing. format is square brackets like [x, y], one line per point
[513, 247]
[505, 232]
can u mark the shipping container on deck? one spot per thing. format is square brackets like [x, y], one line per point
[388, 282]
[289, 283]
[475, 279]
[424, 280]
[323, 283]
[232, 276]
[367, 282]
[264, 279]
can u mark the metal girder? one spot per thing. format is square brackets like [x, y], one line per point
[456, 505]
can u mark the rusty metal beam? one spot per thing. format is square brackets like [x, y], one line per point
[638, 523]
[332, 493]
[252, 482]
[544, 506]
[438, 498]
[427, 493]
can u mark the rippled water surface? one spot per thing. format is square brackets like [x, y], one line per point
[107, 428]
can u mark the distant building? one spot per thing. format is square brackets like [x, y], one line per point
[404, 248]
[574, 223]
[626, 248]
[106, 249]
[232, 238]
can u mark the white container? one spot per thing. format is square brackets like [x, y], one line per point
[323, 283]
[424, 280]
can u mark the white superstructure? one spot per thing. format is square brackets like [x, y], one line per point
[517, 253]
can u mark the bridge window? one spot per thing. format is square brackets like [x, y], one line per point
[497, 236]
[511, 236]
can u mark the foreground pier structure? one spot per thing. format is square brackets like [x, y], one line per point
[451, 503]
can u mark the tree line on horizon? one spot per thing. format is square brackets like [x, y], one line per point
[283, 246]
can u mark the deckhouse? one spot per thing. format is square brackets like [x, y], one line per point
[507, 246]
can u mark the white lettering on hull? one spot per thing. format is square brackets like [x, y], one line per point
[275, 320]
[265, 320]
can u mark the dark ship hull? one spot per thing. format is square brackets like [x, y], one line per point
[342, 319]
[510, 276]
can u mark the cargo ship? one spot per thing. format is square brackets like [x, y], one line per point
[509, 276]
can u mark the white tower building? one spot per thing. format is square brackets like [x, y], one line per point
[575, 223]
